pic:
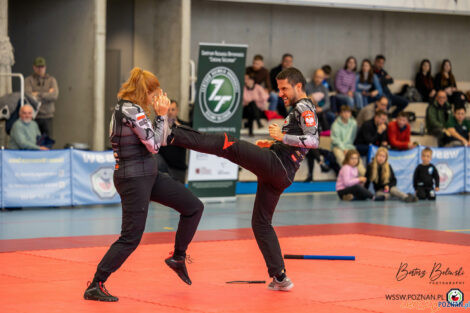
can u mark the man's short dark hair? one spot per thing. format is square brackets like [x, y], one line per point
[293, 76]
[176, 102]
[345, 108]
[327, 69]
[285, 55]
[380, 57]
[460, 107]
[258, 57]
[380, 112]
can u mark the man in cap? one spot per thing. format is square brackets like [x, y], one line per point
[44, 87]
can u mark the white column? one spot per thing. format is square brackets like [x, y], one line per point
[99, 63]
[185, 56]
[6, 50]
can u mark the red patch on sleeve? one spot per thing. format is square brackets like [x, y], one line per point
[309, 118]
[140, 116]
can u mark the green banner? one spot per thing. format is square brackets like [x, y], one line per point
[218, 108]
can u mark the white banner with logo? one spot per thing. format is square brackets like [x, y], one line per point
[218, 109]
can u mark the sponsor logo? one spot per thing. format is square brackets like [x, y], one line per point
[219, 94]
[445, 175]
[102, 183]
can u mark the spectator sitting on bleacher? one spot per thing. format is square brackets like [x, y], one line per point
[437, 114]
[345, 85]
[343, 133]
[318, 93]
[25, 131]
[368, 112]
[399, 133]
[445, 80]
[367, 83]
[275, 102]
[398, 102]
[380, 174]
[260, 73]
[424, 81]
[327, 79]
[372, 132]
[255, 102]
[458, 128]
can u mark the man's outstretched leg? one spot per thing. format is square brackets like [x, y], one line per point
[247, 155]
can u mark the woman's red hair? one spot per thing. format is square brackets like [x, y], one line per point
[138, 86]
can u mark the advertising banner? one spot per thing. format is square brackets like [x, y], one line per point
[36, 178]
[218, 109]
[92, 177]
[450, 163]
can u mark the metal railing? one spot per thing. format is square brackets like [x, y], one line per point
[21, 83]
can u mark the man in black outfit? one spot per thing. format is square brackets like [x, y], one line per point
[275, 166]
[372, 132]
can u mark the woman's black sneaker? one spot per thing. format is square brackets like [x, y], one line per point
[179, 266]
[98, 292]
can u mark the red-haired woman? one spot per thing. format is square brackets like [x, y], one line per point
[135, 139]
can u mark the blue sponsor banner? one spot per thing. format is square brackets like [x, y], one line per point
[403, 164]
[36, 178]
[467, 169]
[92, 178]
[450, 163]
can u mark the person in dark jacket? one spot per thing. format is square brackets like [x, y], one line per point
[172, 159]
[426, 177]
[381, 175]
[437, 114]
[135, 139]
[372, 132]
[445, 80]
[275, 102]
[424, 81]
[385, 79]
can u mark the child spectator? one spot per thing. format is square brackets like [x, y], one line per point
[426, 177]
[458, 128]
[349, 185]
[399, 132]
[381, 175]
[343, 133]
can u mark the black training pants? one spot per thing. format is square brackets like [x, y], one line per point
[136, 193]
[358, 191]
[424, 193]
[272, 180]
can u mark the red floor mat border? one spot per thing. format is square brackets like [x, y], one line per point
[397, 232]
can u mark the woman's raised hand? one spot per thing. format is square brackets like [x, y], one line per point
[161, 103]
